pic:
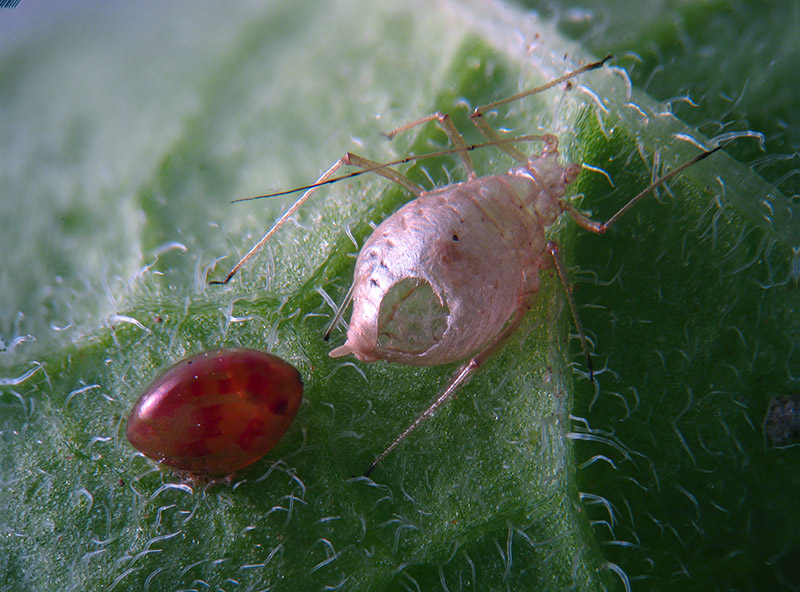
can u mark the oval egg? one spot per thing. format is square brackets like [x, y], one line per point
[216, 412]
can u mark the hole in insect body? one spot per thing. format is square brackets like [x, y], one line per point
[412, 318]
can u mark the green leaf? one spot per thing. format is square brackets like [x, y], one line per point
[126, 134]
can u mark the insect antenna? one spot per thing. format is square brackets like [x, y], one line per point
[391, 163]
[365, 166]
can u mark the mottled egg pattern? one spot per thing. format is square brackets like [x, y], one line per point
[216, 412]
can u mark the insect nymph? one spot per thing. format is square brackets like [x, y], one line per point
[450, 276]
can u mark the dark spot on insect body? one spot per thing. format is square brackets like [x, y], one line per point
[256, 386]
[251, 434]
[449, 252]
[197, 388]
[206, 422]
[455, 237]
[225, 386]
[184, 449]
[279, 406]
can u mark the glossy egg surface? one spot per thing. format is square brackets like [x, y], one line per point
[216, 412]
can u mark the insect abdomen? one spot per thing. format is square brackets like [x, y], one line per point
[442, 276]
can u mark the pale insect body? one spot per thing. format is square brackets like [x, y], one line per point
[438, 280]
[450, 275]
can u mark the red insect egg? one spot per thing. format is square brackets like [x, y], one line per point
[216, 412]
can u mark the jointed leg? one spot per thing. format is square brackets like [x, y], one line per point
[340, 312]
[347, 159]
[662, 179]
[552, 248]
[456, 139]
[493, 135]
[479, 111]
[384, 171]
[488, 131]
[460, 379]
[599, 228]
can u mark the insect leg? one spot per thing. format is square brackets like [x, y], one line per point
[599, 228]
[459, 379]
[340, 312]
[456, 139]
[281, 221]
[583, 220]
[384, 171]
[479, 111]
[493, 135]
[347, 159]
[662, 179]
[552, 248]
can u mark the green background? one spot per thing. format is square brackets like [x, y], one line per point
[127, 129]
